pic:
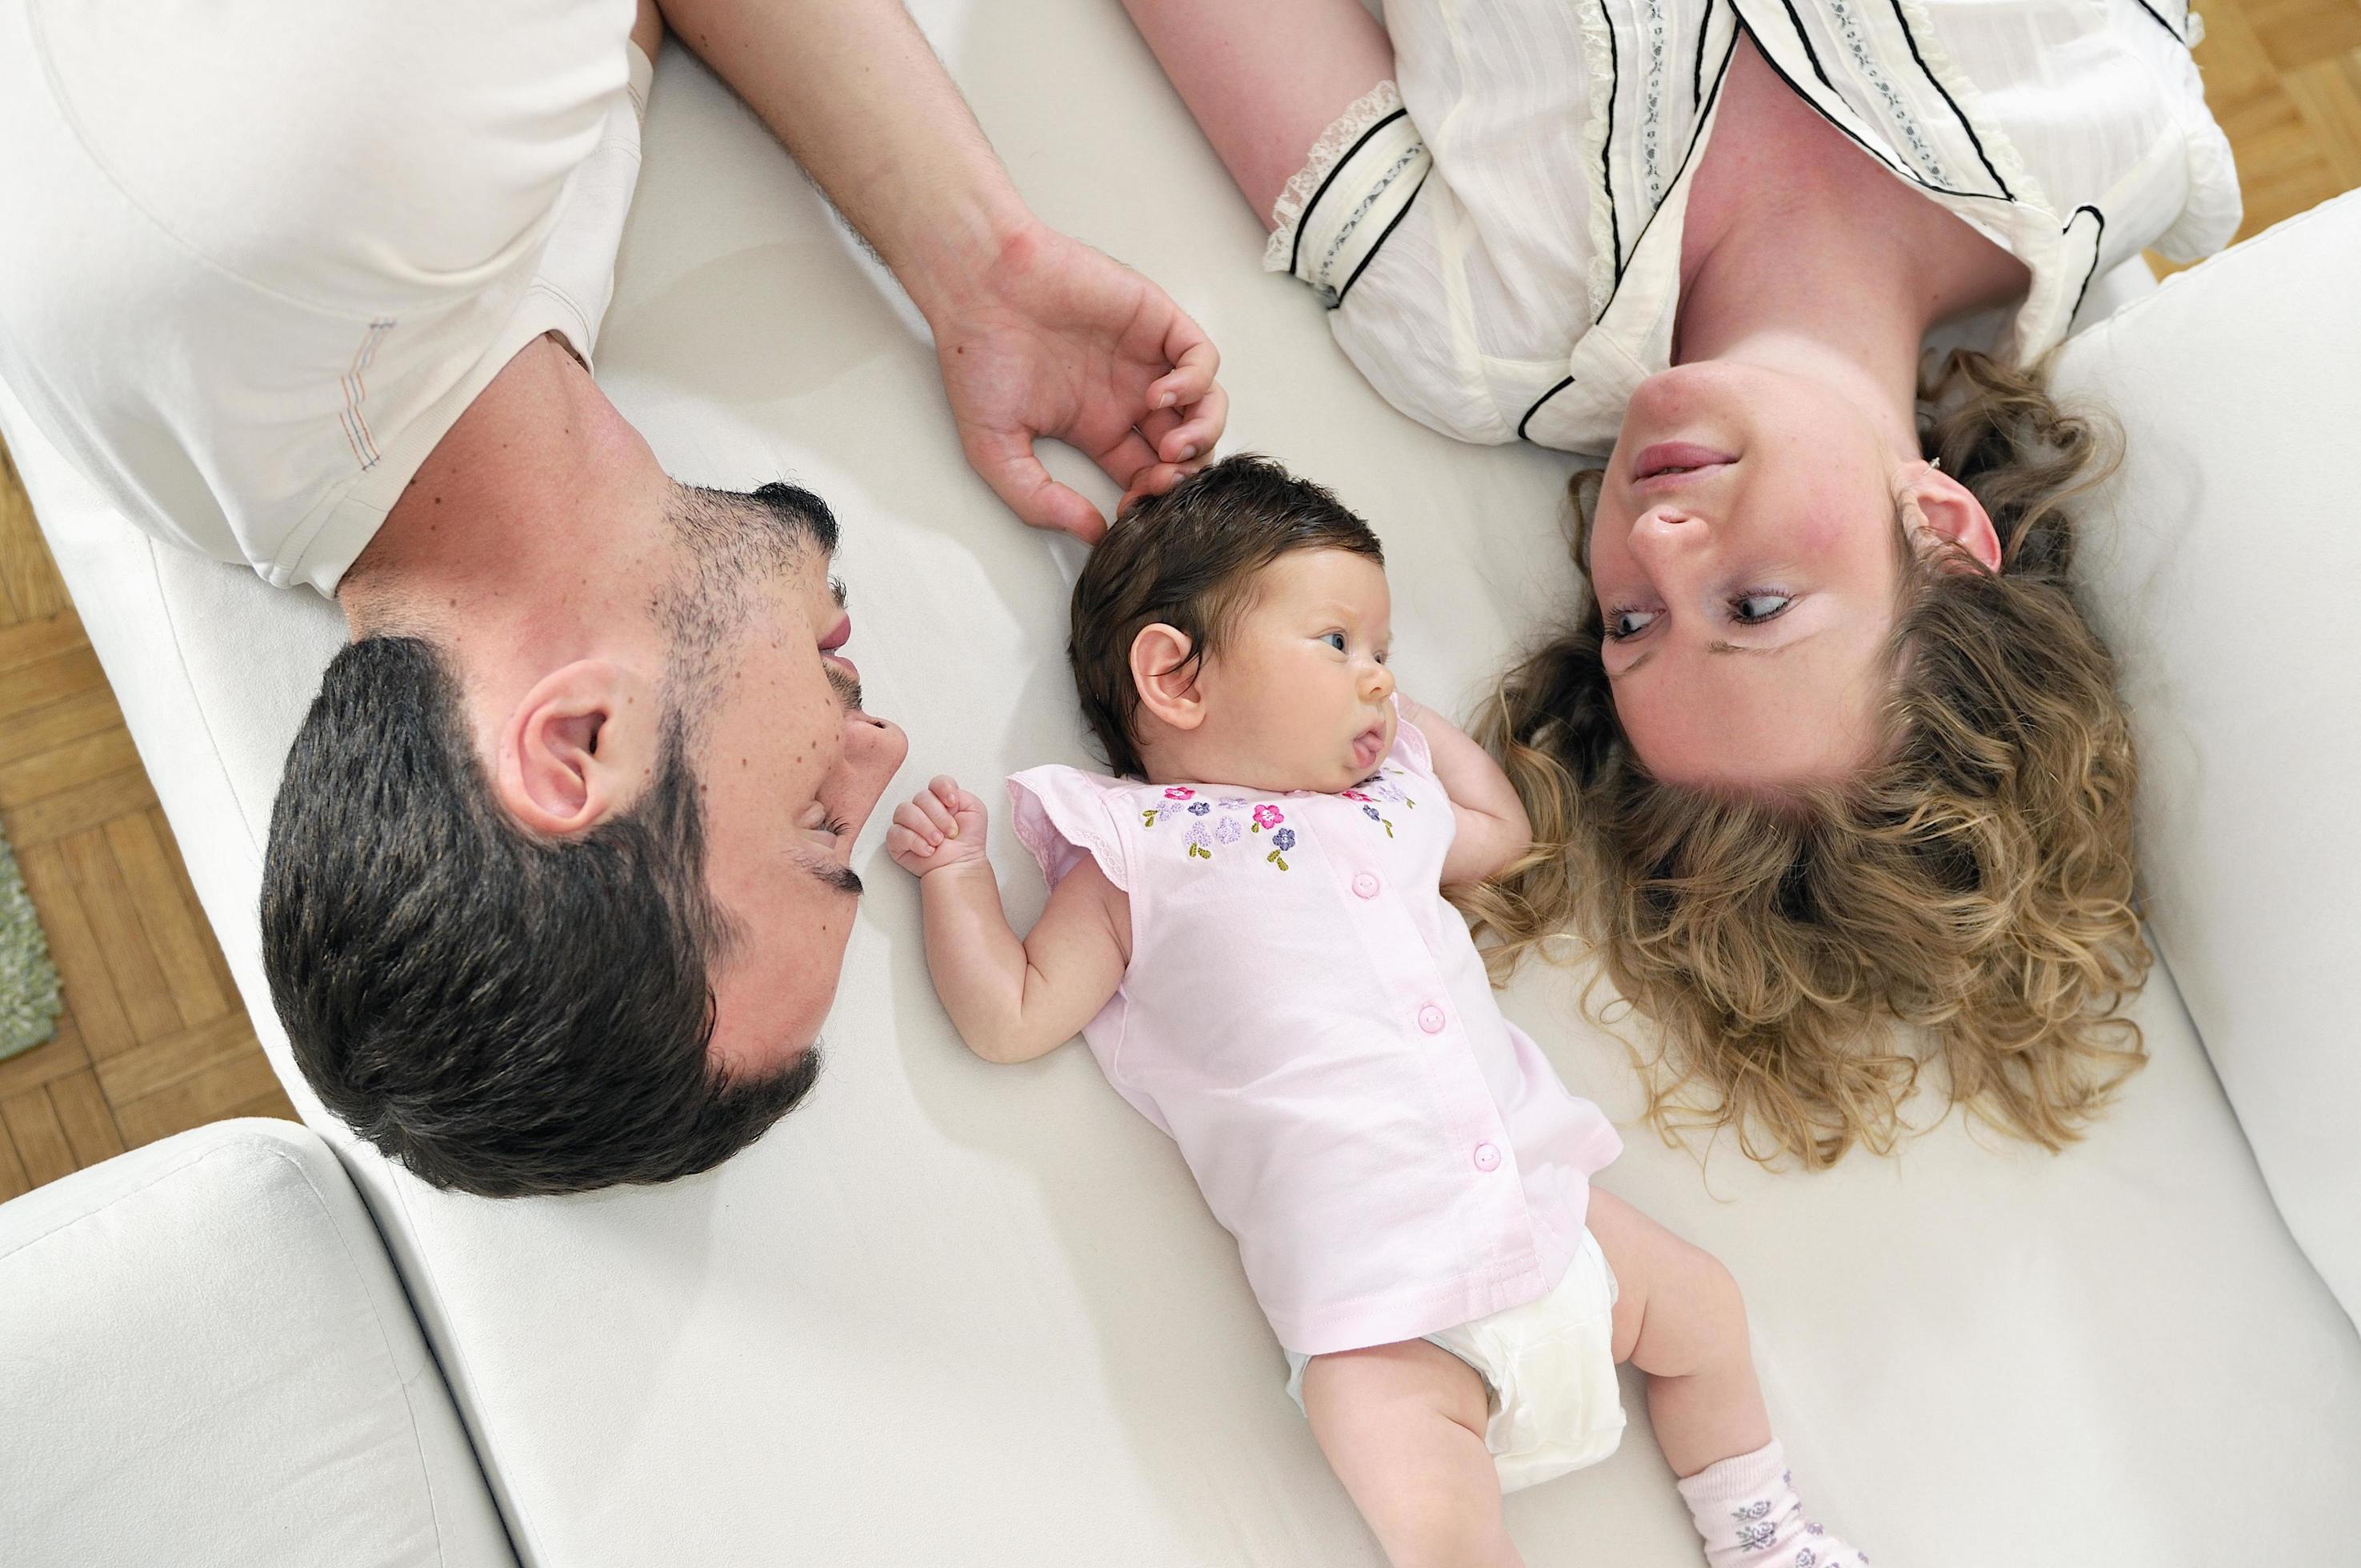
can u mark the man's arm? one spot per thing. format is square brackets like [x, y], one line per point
[1493, 829]
[1038, 335]
[1011, 1001]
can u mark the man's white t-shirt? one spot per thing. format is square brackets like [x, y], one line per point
[258, 258]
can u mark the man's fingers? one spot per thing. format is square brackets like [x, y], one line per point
[1006, 462]
[1191, 439]
[1129, 456]
[1195, 362]
[1155, 481]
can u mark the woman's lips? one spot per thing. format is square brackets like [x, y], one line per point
[1673, 462]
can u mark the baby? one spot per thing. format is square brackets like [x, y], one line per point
[1249, 928]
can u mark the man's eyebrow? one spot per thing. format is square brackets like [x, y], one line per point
[841, 878]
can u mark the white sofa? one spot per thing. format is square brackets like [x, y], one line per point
[956, 1313]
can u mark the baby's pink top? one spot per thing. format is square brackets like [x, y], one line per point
[1309, 1021]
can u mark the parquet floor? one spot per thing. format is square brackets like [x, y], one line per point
[154, 1039]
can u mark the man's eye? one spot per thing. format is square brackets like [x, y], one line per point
[1334, 640]
[1753, 609]
[1625, 623]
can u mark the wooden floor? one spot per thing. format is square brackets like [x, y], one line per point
[154, 1039]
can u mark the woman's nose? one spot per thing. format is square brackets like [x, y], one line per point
[1663, 533]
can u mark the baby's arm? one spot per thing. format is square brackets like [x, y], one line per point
[1011, 1001]
[1493, 827]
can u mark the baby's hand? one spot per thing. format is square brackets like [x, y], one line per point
[941, 826]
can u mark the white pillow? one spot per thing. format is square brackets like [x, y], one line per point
[2228, 577]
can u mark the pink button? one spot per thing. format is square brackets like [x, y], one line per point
[1486, 1158]
[1430, 1018]
[1366, 885]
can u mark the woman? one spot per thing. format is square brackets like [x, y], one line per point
[1827, 741]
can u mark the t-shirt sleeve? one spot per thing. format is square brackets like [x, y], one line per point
[1063, 813]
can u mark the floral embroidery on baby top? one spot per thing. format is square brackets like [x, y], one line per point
[1227, 819]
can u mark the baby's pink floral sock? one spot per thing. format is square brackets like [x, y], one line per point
[1746, 1510]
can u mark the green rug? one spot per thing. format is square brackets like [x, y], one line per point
[29, 981]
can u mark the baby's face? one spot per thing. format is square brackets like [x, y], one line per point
[1299, 696]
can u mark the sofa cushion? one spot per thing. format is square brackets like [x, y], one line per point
[208, 1360]
[954, 1313]
[2226, 585]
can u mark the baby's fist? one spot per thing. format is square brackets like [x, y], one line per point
[940, 825]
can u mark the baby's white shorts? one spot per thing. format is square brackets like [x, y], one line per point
[1549, 1368]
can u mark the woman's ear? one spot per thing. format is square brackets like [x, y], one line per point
[1935, 507]
[1166, 676]
[576, 749]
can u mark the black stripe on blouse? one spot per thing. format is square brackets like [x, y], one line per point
[1957, 113]
[1296, 251]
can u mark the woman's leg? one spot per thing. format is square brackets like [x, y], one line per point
[1264, 78]
[1402, 1426]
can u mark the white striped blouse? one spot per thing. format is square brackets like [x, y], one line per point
[1498, 238]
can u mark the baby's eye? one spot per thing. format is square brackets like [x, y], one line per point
[1334, 640]
[1625, 623]
[1753, 609]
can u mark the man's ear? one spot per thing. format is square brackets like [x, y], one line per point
[1165, 676]
[1935, 507]
[578, 747]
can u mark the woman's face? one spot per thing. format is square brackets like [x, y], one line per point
[1743, 550]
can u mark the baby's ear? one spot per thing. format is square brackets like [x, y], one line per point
[1166, 676]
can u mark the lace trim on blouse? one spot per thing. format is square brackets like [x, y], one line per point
[1346, 129]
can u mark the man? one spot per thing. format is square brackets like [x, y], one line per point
[557, 891]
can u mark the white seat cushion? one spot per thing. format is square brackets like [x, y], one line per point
[208, 1361]
[2227, 587]
[952, 1312]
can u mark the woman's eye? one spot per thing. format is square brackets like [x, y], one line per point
[1625, 623]
[1334, 640]
[1753, 609]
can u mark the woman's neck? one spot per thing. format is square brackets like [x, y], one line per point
[1799, 252]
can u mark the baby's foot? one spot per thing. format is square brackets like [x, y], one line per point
[1746, 1510]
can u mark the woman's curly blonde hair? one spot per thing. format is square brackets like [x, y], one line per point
[1975, 883]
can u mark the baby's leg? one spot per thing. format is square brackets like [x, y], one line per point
[1679, 1319]
[1402, 1426]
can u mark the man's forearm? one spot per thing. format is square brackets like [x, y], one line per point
[853, 91]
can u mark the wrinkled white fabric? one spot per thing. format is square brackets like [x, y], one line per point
[1533, 282]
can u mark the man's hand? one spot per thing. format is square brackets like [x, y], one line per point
[940, 825]
[1055, 339]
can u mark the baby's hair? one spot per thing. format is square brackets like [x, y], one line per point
[1188, 558]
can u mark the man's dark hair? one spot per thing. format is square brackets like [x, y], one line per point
[505, 1013]
[1188, 559]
